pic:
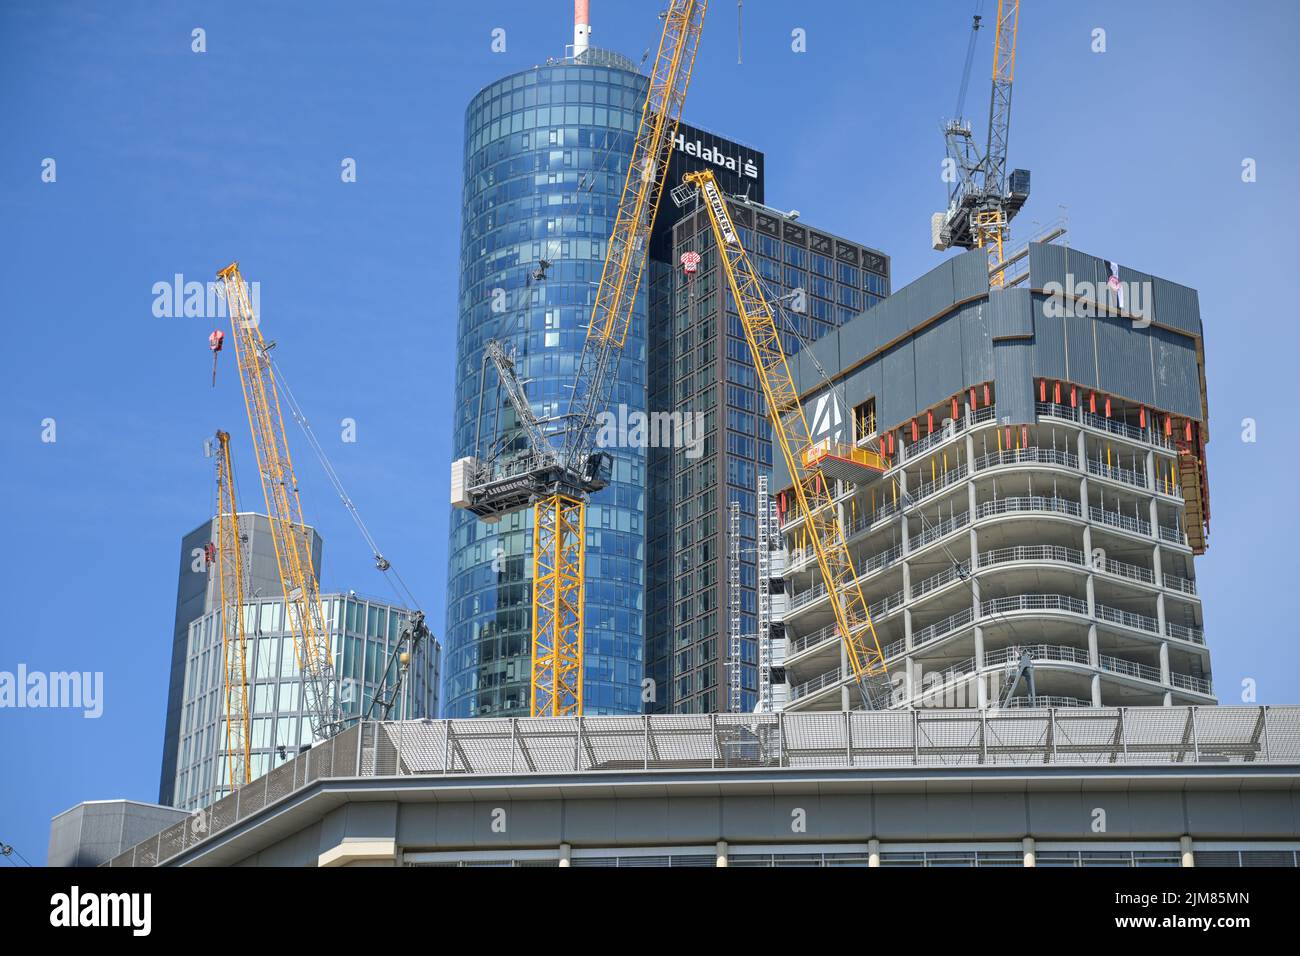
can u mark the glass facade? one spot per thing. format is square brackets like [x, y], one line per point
[707, 368]
[362, 632]
[546, 153]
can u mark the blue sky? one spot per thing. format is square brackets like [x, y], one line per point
[170, 161]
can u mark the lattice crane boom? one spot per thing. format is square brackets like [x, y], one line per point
[559, 519]
[812, 490]
[292, 538]
[229, 558]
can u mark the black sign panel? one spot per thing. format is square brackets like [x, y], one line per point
[738, 169]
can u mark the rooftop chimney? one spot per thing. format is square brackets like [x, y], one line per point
[581, 26]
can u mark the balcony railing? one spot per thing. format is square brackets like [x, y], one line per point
[1172, 534]
[822, 681]
[1130, 669]
[927, 488]
[1023, 456]
[1062, 653]
[1031, 552]
[1187, 682]
[936, 531]
[1034, 602]
[938, 629]
[1128, 618]
[1134, 572]
[1180, 632]
[1122, 521]
[1137, 479]
[1175, 583]
[1027, 503]
[959, 571]
[1149, 435]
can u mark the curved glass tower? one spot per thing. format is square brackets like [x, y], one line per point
[546, 153]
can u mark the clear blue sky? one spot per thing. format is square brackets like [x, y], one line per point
[169, 161]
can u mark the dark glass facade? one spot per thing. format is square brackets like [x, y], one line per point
[712, 372]
[546, 153]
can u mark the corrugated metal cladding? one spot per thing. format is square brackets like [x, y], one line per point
[976, 343]
[1126, 369]
[1081, 350]
[1049, 341]
[1177, 306]
[1012, 314]
[1177, 377]
[938, 352]
[1010, 338]
[899, 398]
[1013, 368]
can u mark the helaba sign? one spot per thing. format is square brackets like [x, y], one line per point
[711, 154]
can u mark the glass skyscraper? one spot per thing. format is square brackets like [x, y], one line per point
[363, 633]
[546, 153]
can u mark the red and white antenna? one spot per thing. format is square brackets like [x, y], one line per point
[581, 26]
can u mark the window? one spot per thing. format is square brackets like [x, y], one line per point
[864, 420]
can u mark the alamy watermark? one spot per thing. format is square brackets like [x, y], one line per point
[620, 428]
[198, 300]
[1087, 299]
[74, 690]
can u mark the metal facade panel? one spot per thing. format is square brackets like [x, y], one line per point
[938, 356]
[899, 393]
[1049, 341]
[1013, 372]
[1177, 377]
[1177, 306]
[931, 295]
[1080, 349]
[1046, 264]
[1081, 267]
[970, 274]
[976, 343]
[1010, 310]
[1124, 359]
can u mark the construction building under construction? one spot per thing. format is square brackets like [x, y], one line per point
[1032, 540]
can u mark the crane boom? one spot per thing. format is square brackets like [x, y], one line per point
[234, 648]
[812, 490]
[559, 518]
[292, 539]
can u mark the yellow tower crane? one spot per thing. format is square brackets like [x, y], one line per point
[229, 557]
[559, 519]
[292, 539]
[803, 457]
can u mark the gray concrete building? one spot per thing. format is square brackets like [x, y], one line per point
[1046, 491]
[1142, 786]
[98, 830]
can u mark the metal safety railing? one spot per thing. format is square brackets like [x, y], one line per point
[881, 740]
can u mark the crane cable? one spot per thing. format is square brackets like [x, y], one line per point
[383, 564]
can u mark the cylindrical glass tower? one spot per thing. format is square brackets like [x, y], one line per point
[546, 153]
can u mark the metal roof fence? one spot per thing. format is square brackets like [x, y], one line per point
[498, 747]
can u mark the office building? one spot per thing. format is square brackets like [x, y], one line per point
[818, 282]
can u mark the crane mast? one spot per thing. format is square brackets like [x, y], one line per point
[292, 539]
[559, 518]
[984, 198]
[229, 558]
[812, 490]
